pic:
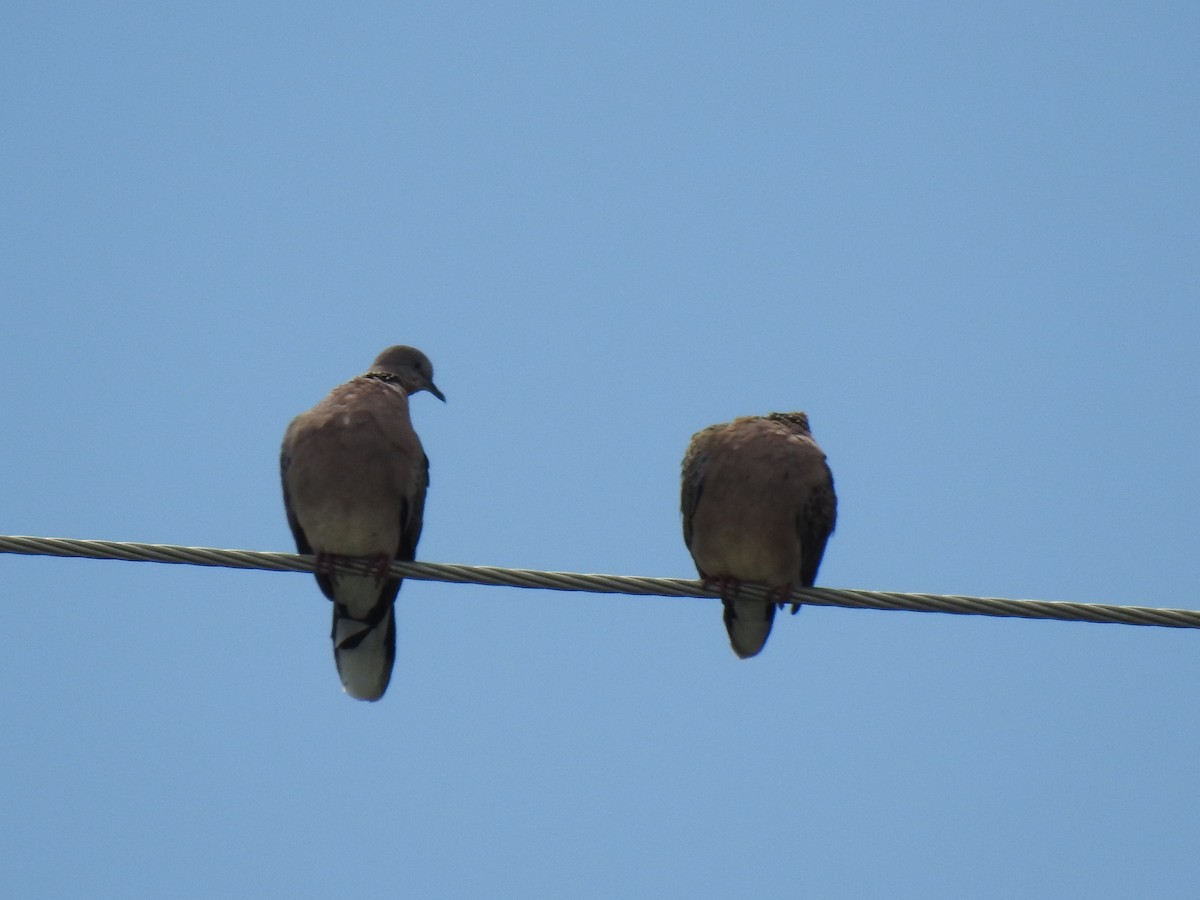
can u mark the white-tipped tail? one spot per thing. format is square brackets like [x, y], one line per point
[364, 650]
[749, 625]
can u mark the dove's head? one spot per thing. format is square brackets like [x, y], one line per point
[411, 368]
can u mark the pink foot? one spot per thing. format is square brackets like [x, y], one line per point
[780, 597]
[325, 563]
[379, 568]
[726, 586]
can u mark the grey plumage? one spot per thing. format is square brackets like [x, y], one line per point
[354, 480]
[758, 507]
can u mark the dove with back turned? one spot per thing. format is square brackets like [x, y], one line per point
[758, 508]
[354, 480]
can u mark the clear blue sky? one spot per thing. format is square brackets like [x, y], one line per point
[964, 238]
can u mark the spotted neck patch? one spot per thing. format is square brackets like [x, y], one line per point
[385, 377]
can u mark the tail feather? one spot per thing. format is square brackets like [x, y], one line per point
[364, 646]
[749, 625]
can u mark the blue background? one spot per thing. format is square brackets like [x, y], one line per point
[965, 238]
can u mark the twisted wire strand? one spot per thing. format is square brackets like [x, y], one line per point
[604, 584]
